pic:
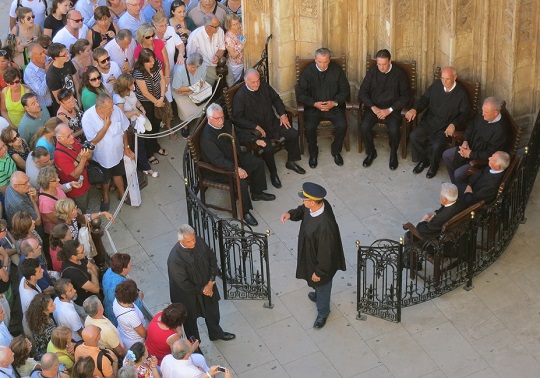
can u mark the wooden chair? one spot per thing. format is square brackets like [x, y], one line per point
[194, 144]
[380, 128]
[325, 128]
[444, 262]
[228, 96]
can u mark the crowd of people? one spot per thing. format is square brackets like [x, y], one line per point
[76, 79]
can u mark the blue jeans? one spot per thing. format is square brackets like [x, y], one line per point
[322, 294]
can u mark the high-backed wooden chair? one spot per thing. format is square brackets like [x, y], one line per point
[451, 257]
[325, 128]
[194, 144]
[380, 128]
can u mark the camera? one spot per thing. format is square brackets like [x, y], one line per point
[88, 145]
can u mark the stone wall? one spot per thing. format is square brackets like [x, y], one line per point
[495, 42]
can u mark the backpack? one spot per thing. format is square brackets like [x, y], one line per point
[102, 352]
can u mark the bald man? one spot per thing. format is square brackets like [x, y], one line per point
[447, 108]
[109, 362]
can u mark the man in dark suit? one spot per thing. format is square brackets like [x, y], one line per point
[484, 185]
[431, 224]
[384, 92]
[219, 152]
[485, 135]
[323, 89]
[254, 108]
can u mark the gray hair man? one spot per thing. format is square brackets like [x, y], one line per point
[484, 185]
[6, 359]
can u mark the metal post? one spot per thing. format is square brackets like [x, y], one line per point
[359, 315]
[269, 304]
[97, 232]
[241, 208]
[471, 252]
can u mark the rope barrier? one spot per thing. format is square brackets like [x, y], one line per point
[160, 134]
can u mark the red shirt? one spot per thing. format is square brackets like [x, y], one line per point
[156, 339]
[158, 51]
[66, 162]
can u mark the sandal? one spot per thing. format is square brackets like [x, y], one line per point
[154, 174]
[153, 161]
[163, 152]
[104, 206]
[173, 136]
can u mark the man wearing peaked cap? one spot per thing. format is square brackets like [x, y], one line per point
[320, 251]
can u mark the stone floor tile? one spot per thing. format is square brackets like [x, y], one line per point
[450, 351]
[176, 213]
[435, 374]
[351, 230]
[287, 340]
[421, 316]
[379, 372]
[506, 355]
[259, 316]
[283, 277]
[344, 347]
[401, 354]
[486, 373]
[139, 221]
[388, 224]
[272, 369]
[120, 235]
[151, 280]
[496, 289]
[315, 365]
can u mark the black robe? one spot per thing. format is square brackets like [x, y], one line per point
[484, 185]
[320, 250]
[433, 228]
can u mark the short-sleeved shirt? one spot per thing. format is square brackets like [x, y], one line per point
[47, 206]
[128, 318]
[63, 355]
[79, 276]
[37, 6]
[66, 315]
[200, 42]
[27, 295]
[58, 78]
[110, 338]
[106, 78]
[158, 51]
[66, 160]
[197, 15]
[30, 125]
[64, 37]
[118, 55]
[7, 167]
[152, 83]
[87, 351]
[180, 78]
[17, 202]
[127, 21]
[54, 24]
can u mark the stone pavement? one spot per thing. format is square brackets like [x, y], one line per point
[493, 330]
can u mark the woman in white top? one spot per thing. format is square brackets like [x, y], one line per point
[131, 323]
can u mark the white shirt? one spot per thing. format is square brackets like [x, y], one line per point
[5, 336]
[118, 55]
[200, 42]
[67, 39]
[128, 318]
[110, 150]
[3, 124]
[86, 8]
[127, 21]
[113, 71]
[37, 6]
[26, 296]
[173, 368]
[66, 315]
[171, 41]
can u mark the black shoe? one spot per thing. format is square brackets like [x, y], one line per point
[295, 167]
[276, 182]
[262, 196]
[432, 172]
[312, 296]
[420, 167]
[338, 159]
[369, 159]
[313, 161]
[320, 322]
[184, 132]
[226, 337]
[393, 161]
[250, 219]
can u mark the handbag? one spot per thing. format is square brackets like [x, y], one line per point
[165, 112]
[201, 93]
[95, 173]
[86, 239]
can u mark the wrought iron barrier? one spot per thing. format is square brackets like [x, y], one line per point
[393, 275]
[242, 253]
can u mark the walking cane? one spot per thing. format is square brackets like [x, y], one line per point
[237, 176]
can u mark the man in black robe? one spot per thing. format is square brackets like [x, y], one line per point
[320, 251]
[487, 134]
[253, 110]
[484, 185]
[192, 268]
[324, 89]
[219, 152]
[384, 92]
[447, 108]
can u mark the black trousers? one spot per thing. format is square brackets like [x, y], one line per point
[151, 144]
[428, 146]
[392, 122]
[312, 118]
[210, 309]
[292, 146]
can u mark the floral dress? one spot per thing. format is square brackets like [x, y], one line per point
[41, 339]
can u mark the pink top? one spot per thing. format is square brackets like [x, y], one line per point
[231, 40]
[56, 264]
[158, 51]
[47, 205]
[156, 339]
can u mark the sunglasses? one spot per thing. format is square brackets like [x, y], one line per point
[17, 136]
[18, 81]
[95, 78]
[105, 60]
[149, 36]
[3, 53]
[30, 17]
[215, 27]
[77, 20]
[3, 230]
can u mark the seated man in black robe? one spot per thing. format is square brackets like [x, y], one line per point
[219, 152]
[447, 108]
[484, 185]
[323, 89]
[485, 135]
[253, 109]
[384, 92]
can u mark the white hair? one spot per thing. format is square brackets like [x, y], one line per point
[449, 191]
[184, 230]
[212, 109]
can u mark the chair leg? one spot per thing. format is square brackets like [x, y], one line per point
[404, 136]
[347, 136]
[301, 131]
[359, 130]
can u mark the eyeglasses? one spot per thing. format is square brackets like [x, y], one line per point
[212, 26]
[218, 117]
[17, 136]
[3, 230]
[30, 17]
[65, 136]
[55, 180]
[62, 56]
[24, 183]
[149, 36]
[17, 81]
[95, 78]
[77, 20]
[105, 60]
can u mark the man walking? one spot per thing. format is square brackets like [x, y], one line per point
[320, 251]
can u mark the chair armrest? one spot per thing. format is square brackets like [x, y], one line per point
[478, 164]
[213, 168]
[349, 105]
[291, 112]
[412, 229]
[457, 138]
[356, 105]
